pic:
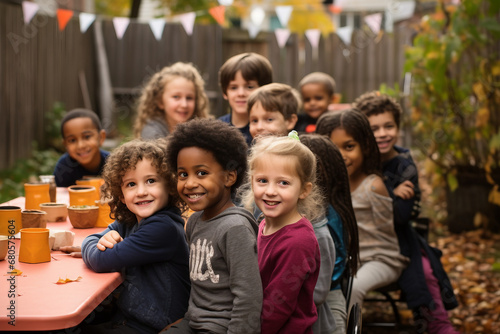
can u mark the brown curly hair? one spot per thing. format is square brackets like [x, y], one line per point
[125, 158]
[151, 94]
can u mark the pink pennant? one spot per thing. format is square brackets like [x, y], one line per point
[29, 11]
[373, 21]
[313, 36]
[282, 36]
[187, 21]
[121, 25]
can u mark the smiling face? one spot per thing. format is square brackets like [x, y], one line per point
[263, 122]
[178, 101]
[316, 99]
[277, 189]
[202, 183]
[82, 141]
[352, 153]
[237, 93]
[386, 132]
[144, 190]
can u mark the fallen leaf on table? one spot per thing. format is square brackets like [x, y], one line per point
[67, 280]
[15, 272]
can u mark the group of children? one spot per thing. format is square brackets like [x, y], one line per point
[279, 217]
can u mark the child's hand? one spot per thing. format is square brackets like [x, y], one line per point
[405, 190]
[74, 251]
[109, 240]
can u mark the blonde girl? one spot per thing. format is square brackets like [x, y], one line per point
[282, 176]
[173, 95]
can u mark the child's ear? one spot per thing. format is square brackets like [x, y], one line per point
[102, 137]
[306, 190]
[231, 177]
[224, 96]
[290, 123]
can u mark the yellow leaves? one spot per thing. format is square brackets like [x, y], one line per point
[67, 280]
[15, 272]
[494, 196]
[478, 89]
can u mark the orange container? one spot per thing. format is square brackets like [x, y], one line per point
[104, 210]
[34, 245]
[36, 193]
[94, 182]
[81, 195]
[10, 220]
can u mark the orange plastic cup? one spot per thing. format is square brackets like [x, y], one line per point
[34, 245]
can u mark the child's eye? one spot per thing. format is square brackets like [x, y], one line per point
[190, 98]
[283, 183]
[130, 184]
[182, 175]
[253, 121]
[251, 87]
[270, 120]
[150, 181]
[261, 180]
[201, 173]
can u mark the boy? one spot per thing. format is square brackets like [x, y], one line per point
[238, 77]
[318, 92]
[210, 159]
[272, 110]
[424, 281]
[83, 136]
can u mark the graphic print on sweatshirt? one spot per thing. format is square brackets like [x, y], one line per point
[200, 257]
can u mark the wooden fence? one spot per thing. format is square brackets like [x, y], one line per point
[40, 65]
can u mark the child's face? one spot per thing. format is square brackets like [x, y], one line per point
[178, 100]
[144, 190]
[82, 141]
[315, 98]
[277, 188]
[263, 122]
[202, 183]
[238, 91]
[350, 149]
[385, 131]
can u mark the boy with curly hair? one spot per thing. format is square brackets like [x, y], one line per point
[210, 160]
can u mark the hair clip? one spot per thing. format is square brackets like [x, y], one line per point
[294, 135]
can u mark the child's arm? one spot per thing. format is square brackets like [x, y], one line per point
[327, 251]
[246, 285]
[109, 240]
[157, 239]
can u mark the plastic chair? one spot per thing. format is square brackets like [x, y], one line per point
[354, 324]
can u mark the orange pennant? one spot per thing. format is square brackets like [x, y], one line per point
[63, 17]
[335, 9]
[218, 13]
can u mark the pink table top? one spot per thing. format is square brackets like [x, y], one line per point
[33, 300]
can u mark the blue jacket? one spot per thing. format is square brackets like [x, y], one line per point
[154, 259]
[68, 170]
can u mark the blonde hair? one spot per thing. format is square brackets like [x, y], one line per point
[152, 93]
[305, 165]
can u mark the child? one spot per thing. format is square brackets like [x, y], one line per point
[238, 77]
[318, 92]
[209, 157]
[174, 95]
[424, 282]
[341, 224]
[272, 110]
[146, 241]
[380, 258]
[83, 136]
[282, 177]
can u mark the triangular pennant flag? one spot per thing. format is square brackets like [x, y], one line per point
[313, 36]
[121, 25]
[373, 21]
[29, 10]
[284, 13]
[218, 14]
[86, 19]
[345, 34]
[257, 15]
[253, 30]
[403, 10]
[282, 36]
[341, 3]
[63, 17]
[225, 2]
[187, 21]
[157, 26]
[335, 9]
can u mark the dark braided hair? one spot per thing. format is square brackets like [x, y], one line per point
[333, 182]
[356, 125]
[374, 103]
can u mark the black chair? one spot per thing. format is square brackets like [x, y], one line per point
[354, 323]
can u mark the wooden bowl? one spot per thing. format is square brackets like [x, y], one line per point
[83, 216]
[56, 212]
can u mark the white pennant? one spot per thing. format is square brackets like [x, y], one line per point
[345, 34]
[121, 25]
[86, 19]
[187, 21]
[284, 13]
[402, 10]
[157, 26]
[282, 36]
[225, 2]
[253, 30]
[29, 11]
[313, 36]
[374, 21]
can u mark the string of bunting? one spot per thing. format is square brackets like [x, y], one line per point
[257, 15]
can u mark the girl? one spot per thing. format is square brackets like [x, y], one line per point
[146, 241]
[174, 95]
[381, 261]
[282, 175]
[341, 225]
